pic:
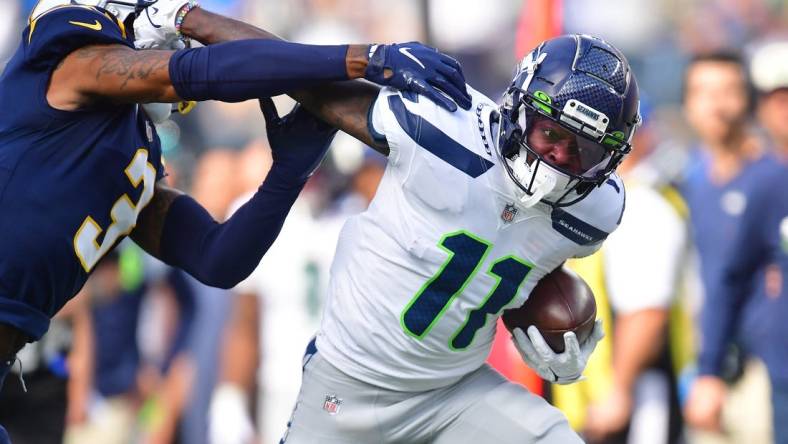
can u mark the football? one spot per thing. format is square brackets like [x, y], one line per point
[560, 302]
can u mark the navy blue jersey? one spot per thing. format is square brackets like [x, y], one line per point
[759, 249]
[71, 183]
[717, 213]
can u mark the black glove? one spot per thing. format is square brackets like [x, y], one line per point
[421, 69]
[299, 141]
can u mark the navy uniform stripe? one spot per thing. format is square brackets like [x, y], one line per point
[438, 143]
[376, 136]
[575, 229]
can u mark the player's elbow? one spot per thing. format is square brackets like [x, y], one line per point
[222, 274]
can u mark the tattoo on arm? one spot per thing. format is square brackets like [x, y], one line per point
[150, 224]
[113, 72]
[125, 65]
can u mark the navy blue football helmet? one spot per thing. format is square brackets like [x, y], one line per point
[579, 86]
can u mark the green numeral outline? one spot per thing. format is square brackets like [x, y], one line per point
[481, 306]
[436, 296]
[437, 275]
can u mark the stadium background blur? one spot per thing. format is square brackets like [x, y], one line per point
[136, 358]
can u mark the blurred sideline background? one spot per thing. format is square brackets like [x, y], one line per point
[147, 355]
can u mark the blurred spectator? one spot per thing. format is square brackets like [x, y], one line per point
[485, 53]
[276, 311]
[718, 188]
[214, 185]
[754, 269]
[56, 377]
[631, 394]
[141, 316]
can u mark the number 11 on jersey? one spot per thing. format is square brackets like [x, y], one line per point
[466, 252]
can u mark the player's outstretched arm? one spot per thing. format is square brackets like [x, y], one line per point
[180, 232]
[345, 105]
[230, 72]
[114, 72]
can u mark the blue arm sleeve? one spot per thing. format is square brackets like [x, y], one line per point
[249, 69]
[223, 254]
[726, 296]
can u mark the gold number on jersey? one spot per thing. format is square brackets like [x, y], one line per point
[123, 214]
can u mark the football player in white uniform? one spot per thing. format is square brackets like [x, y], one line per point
[474, 208]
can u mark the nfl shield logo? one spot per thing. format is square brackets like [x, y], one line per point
[149, 131]
[508, 213]
[331, 404]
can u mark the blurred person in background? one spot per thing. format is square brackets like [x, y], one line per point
[215, 185]
[729, 161]
[484, 54]
[754, 270]
[631, 393]
[141, 314]
[57, 372]
[277, 311]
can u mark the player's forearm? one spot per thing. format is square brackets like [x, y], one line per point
[113, 72]
[180, 232]
[209, 29]
[638, 340]
[344, 106]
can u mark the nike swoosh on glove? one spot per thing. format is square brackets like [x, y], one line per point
[421, 69]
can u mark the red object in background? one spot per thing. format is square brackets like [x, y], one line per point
[505, 358]
[539, 20]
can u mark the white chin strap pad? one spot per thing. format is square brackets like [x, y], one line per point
[547, 181]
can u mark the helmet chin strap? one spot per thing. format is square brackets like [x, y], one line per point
[545, 181]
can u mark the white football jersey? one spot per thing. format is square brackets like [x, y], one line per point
[419, 279]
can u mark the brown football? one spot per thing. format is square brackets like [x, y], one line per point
[560, 302]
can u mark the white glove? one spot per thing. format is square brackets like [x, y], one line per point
[561, 368]
[228, 417]
[154, 27]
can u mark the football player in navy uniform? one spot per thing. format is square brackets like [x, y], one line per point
[80, 161]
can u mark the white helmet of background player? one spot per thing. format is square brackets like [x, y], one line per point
[119, 8]
[567, 120]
